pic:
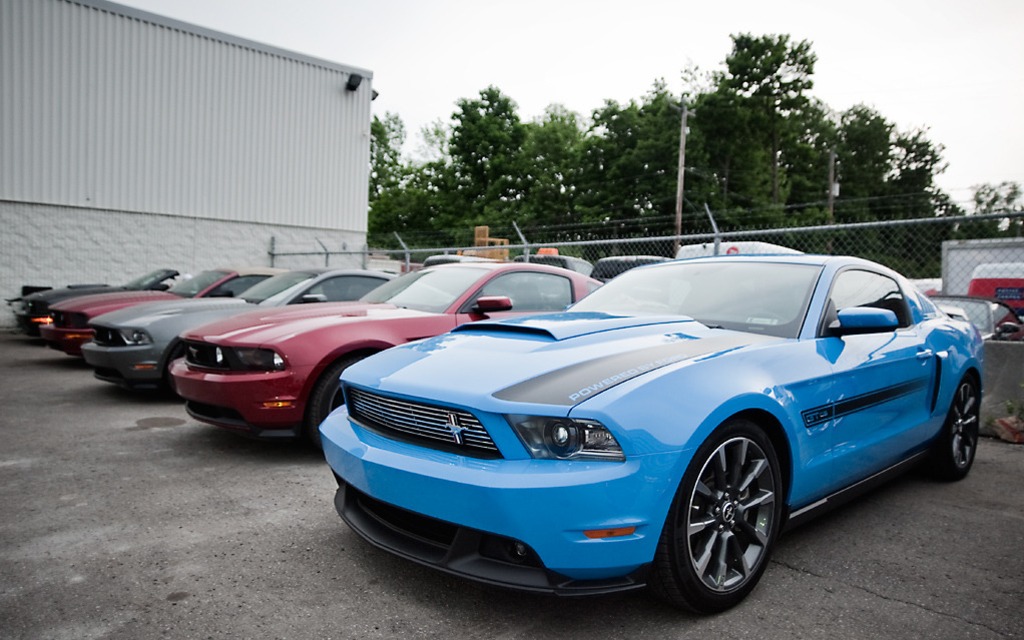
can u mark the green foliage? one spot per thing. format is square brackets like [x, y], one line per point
[758, 149]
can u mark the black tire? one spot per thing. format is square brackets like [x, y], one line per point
[723, 522]
[325, 398]
[952, 454]
[176, 351]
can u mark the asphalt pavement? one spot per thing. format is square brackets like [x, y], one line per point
[121, 517]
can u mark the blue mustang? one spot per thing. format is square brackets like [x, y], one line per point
[661, 432]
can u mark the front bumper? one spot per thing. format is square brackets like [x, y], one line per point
[259, 404]
[513, 523]
[131, 367]
[69, 341]
[29, 324]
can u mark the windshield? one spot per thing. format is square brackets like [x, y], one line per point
[189, 288]
[431, 290]
[979, 312]
[275, 285]
[756, 297]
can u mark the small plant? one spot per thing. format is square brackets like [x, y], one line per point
[1011, 428]
[1015, 408]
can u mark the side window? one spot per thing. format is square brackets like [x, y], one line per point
[856, 288]
[344, 288]
[531, 291]
[236, 286]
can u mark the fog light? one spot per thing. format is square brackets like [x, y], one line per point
[277, 404]
[518, 551]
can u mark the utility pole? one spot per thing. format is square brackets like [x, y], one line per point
[679, 183]
[832, 191]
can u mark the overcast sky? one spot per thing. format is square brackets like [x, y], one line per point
[953, 67]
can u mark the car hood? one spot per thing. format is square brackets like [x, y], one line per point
[274, 325]
[557, 359]
[143, 315]
[54, 295]
[97, 303]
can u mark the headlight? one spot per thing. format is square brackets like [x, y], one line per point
[566, 439]
[259, 359]
[135, 337]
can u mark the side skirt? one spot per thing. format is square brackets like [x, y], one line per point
[830, 502]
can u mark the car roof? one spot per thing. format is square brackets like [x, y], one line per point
[251, 271]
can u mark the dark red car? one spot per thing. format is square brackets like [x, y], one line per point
[69, 327]
[274, 373]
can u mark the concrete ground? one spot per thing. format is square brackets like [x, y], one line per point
[121, 517]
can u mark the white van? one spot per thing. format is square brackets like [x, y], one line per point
[745, 247]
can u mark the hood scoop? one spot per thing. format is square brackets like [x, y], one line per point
[563, 326]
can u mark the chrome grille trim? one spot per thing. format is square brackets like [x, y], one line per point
[429, 423]
[108, 337]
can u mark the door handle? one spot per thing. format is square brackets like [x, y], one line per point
[925, 354]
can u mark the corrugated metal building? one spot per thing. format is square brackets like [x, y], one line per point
[130, 141]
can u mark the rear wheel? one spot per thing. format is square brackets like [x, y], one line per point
[953, 452]
[723, 521]
[325, 398]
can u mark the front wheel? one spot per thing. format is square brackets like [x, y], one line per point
[723, 521]
[325, 397]
[952, 454]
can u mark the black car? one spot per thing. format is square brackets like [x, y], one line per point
[33, 309]
[607, 268]
[571, 263]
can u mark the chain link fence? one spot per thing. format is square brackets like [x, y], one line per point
[944, 253]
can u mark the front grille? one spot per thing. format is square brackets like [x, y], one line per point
[37, 308]
[69, 320]
[429, 425]
[205, 355]
[107, 337]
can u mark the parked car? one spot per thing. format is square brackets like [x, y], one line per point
[607, 268]
[571, 263]
[134, 347]
[33, 310]
[274, 373]
[69, 327]
[452, 258]
[1001, 280]
[994, 319]
[662, 432]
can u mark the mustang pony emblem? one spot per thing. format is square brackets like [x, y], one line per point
[455, 428]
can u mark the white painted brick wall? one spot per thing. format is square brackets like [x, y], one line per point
[57, 246]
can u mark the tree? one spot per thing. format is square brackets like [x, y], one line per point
[630, 160]
[551, 160]
[864, 163]
[772, 75]
[486, 145]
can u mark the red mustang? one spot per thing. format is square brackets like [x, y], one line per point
[69, 327]
[274, 373]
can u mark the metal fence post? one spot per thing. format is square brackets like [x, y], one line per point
[522, 238]
[408, 255]
[714, 228]
[327, 253]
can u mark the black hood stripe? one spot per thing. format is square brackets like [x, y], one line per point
[575, 383]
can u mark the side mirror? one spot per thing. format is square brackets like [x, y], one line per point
[1006, 329]
[858, 320]
[312, 297]
[492, 304]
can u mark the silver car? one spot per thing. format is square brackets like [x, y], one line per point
[134, 347]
